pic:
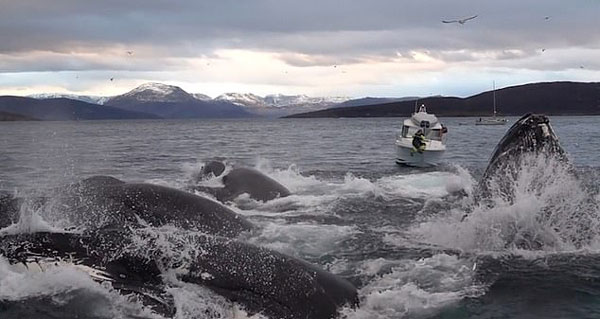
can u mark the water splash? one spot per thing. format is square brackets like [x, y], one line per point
[415, 288]
[303, 239]
[30, 220]
[538, 205]
[65, 287]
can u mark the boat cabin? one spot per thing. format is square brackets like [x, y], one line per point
[428, 123]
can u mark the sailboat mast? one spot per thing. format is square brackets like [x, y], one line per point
[494, 94]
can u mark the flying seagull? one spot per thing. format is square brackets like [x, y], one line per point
[461, 21]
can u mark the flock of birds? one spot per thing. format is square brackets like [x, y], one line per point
[464, 20]
[461, 21]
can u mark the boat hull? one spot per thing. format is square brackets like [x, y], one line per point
[405, 156]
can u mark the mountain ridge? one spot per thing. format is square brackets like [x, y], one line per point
[7, 116]
[169, 101]
[154, 92]
[61, 109]
[551, 98]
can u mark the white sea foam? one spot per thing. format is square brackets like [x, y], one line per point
[302, 238]
[193, 301]
[412, 185]
[312, 195]
[67, 287]
[550, 211]
[30, 221]
[414, 288]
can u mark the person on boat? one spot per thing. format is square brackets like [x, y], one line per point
[418, 142]
[443, 131]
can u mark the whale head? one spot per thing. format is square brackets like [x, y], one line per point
[531, 138]
[532, 133]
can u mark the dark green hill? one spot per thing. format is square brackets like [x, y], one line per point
[65, 109]
[187, 109]
[551, 98]
[6, 116]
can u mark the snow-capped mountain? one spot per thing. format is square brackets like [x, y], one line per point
[201, 97]
[168, 101]
[242, 99]
[279, 101]
[279, 104]
[85, 98]
[155, 92]
[152, 92]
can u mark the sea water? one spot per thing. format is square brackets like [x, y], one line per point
[399, 234]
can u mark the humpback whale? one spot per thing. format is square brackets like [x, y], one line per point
[242, 180]
[103, 200]
[530, 166]
[262, 280]
[531, 136]
[122, 245]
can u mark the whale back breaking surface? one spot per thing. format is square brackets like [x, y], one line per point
[103, 200]
[122, 243]
[260, 279]
[238, 181]
[247, 180]
[277, 285]
[9, 209]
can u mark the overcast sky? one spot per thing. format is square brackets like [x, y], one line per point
[314, 47]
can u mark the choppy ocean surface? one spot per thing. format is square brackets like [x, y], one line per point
[397, 233]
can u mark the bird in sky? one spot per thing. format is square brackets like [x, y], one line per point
[112, 79]
[130, 52]
[460, 21]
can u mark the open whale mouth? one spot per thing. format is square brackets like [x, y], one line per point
[531, 133]
[530, 145]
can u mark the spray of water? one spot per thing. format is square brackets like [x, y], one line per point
[414, 288]
[30, 221]
[66, 287]
[539, 205]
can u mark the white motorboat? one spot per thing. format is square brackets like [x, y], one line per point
[494, 120]
[435, 140]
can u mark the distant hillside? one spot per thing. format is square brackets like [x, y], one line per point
[168, 101]
[273, 105]
[552, 98]
[93, 99]
[375, 100]
[6, 116]
[65, 109]
[279, 104]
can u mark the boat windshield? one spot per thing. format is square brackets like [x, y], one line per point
[434, 135]
[430, 134]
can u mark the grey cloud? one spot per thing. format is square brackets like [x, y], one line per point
[327, 30]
